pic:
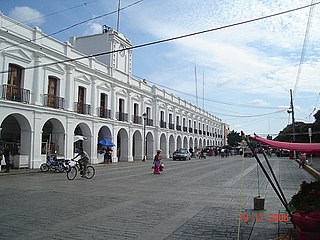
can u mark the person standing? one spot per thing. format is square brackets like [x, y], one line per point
[6, 154]
[157, 162]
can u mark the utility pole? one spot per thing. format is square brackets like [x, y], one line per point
[196, 82]
[293, 122]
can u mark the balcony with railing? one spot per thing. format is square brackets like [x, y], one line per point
[104, 113]
[196, 131]
[178, 127]
[149, 122]
[171, 126]
[204, 132]
[136, 119]
[82, 108]
[200, 132]
[185, 129]
[163, 124]
[121, 116]
[190, 130]
[53, 101]
[14, 93]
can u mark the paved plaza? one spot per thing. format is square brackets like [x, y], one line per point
[196, 199]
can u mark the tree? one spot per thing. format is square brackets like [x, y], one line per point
[234, 138]
[301, 131]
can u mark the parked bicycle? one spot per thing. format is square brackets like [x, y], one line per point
[73, 171]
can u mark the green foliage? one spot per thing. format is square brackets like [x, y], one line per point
[234, 138]
[301, 131]
[308, 198]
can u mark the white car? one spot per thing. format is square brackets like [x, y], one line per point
[181, 154]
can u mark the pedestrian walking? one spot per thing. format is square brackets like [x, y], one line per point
[157, 163]
[6, 154]
[302, 159]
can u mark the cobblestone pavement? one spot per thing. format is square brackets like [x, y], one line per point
[197, 199]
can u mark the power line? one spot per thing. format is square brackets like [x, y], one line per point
[55, 13]
[74, 25]
[304, 46]
[211, 100]
[251, 116]
[163, 40]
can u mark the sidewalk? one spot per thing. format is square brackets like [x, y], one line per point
[313, 167]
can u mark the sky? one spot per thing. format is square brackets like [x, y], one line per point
[241, 73]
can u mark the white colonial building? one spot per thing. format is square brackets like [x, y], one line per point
[52, 91]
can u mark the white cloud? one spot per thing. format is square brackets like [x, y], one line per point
[93, 28]
[259, 102]
[28, 15]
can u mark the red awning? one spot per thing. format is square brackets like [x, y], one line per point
[301, 147]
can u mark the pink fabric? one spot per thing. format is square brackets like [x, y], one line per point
[301, 147]
[156, 169]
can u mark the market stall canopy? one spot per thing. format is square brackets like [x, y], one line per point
[301, 147]
[106, 143]
[79, 137]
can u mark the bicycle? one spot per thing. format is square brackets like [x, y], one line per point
[73, 171]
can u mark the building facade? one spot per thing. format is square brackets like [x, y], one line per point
[52, 92]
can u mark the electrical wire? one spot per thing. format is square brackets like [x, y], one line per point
[211, 100]
[54, 13]
[72, 26]
[251, 116]
[315, 107]
[169, 39]
[304, 46]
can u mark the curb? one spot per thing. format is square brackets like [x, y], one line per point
[312, 171]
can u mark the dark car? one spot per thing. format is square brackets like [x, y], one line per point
[181, 154]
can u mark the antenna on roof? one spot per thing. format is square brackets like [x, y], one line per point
[118, 20]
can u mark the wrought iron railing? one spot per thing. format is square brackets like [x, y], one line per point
[123, 117]
[149, 122]
[136, 119]
[82, 108]
[53, 101]
[171, 126]
[104, 112]
[163, 124]
[15, 93]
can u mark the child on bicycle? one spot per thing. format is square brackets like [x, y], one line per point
[83, 161]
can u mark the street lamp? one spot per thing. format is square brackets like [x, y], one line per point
[145, 116]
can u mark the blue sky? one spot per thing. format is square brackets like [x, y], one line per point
[244, 73]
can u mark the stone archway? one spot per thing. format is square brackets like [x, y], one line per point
[83, 129]
[137, 144]
[122, 145]
[103, 134]
[185, 142]
[15, 132]
[163, 145]
[179, 142]
[53, 140]
[150, 146]
[171, 146]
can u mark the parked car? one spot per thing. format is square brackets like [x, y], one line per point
[181, 154]
[248, 152]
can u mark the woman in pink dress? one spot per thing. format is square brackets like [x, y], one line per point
[157, 163]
